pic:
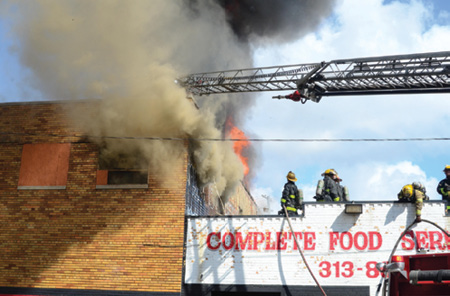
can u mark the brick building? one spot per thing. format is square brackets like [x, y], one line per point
[73, 224]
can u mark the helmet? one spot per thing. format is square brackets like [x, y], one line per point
[407, 191]
[329, 172]
[447, 168]
[291, 176]
[417, 185]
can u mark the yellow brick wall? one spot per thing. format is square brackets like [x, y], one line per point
[82, 237]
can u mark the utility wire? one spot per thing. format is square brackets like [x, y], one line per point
[241, 140]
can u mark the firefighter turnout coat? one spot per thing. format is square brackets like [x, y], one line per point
[291, 197]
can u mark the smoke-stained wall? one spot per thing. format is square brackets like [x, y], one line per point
[128, 53]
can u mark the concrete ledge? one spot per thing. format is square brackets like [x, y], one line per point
[327, 206]
[78, 292]
[123, 186]
[41, 187]
[272, 290]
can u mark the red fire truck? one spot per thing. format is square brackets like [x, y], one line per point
[421, 274]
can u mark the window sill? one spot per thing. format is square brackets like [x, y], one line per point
[41, 187]
[123, 186]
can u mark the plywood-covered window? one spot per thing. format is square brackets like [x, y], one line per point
[121, 170]
[44, 166]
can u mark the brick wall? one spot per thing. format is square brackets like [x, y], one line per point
[81, 237]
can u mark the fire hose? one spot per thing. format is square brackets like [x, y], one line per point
[429, 275]
[301, 252]
[396, 245]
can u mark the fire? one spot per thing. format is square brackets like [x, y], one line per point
[233, 132]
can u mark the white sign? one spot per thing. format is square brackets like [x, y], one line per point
[341, 249]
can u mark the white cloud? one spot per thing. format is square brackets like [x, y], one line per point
[382, 181]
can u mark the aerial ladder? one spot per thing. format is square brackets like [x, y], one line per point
[397, 74]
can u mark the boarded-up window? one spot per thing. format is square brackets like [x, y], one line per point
[121, 169]
[44, 165]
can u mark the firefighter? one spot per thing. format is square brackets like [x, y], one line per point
[343, 190]
[415, 193]
[443, 187]
[328, 189]
[292, 197]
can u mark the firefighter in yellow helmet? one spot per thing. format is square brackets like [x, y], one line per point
[292, 197]
[328, 189]
[415, 193]
[444, 187]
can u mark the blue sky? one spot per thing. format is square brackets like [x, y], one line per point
[372, 171]
[10, 68]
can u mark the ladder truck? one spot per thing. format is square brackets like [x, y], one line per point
[422, 73]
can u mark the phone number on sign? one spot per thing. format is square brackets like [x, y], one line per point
[347, 269]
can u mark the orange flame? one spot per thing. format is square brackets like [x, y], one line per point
[239, 146]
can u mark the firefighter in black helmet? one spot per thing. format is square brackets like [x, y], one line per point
[444, 187]
[343, 190]
[292, 197]
[328, 189]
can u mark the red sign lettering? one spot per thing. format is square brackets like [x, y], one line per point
[333, 240]
[422, 239]
[257, 241]
[208, 240]
[270, 245]
[242, 244]
[379, 240]
[361, 241]
[436, 238]
[407, 241]
[433, 240]
[298, 235]
[349, 240]
[281, 244]
[310, 238]
[445, 241]
[228, 241]
[347, 269]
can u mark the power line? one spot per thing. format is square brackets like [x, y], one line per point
[422, 139]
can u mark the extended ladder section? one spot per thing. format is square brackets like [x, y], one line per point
[400, 74]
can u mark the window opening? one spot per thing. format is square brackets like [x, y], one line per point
[121, 168]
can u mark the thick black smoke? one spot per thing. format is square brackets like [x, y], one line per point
[276, 20]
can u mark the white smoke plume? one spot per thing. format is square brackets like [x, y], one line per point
[128, 54]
